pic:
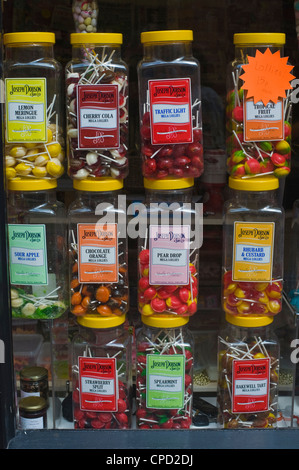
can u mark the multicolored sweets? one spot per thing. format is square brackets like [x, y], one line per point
[245, 298]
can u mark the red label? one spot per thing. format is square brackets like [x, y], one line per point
[170, 111]
[98, 116]
[250, 387]
[98, 384]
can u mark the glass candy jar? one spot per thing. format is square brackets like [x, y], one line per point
[85, 16]
[97, 107]
[98, 263]
[253, 243]
[101, 373]
[164, 377]
[258, 135]
[34, 129]
[248, 368]
[170, 106]
[37, 239]
[168, 249]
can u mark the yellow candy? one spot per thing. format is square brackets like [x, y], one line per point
[39, 171]
[42, 160]
[54, 167]
[49, 135]
[30, 145]
[31, 155]
[10, 161]
[54, 149]
[23, 169]
[18, 152]
[259, 356]
[10, 173]
[147, 310]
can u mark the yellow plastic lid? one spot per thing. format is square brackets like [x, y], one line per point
[96, 38]
[103, 184]
[30, 37]
[248, 321]
[168, 183]
[259, 38]
[164, 321]
[165, 36]
[97, 321]
[256, 183]
[19, 184]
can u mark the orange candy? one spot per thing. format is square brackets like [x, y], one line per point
[76, 298]
[103, 294]
[104, 310]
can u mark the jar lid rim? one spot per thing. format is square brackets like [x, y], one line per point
[249, 321]
[33, 372]
[28, 37]
[98, 185]
[259, 38]
[168, 183]
[164, 321]
[20, 184]
[96, 38]
[32, 403]
[167, 35]
[97, 321]
[257, 183]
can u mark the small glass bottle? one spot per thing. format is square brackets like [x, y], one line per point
[34, 382]
[253, 241]
[170, 106]
[258, 135]
[34, 130]
[98, 262]
[37, 239]
[248, 368]
[168, 250]
[101, 373]
[164, 377]
[85, 16]
[97, 107]
[32, 413]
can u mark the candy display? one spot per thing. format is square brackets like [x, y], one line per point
[97, 107]
[248, 368]
[164, 381]
[85, 16]
[258, 134]
[253, 238]
[102, 373]
[97, 251]
[168, 256]
[37, 234]
[34, 145]
[170, 106]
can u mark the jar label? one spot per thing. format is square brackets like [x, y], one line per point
[165, 381]
[26, 109]
[170, 111]
[169, 254]
[253, 251]
[31, 423]
[250, 386]
[97, 253]
[98, 384]
[28, 254]
[98, 116]
[263, 122]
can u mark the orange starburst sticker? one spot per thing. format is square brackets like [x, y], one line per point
[267, 77]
